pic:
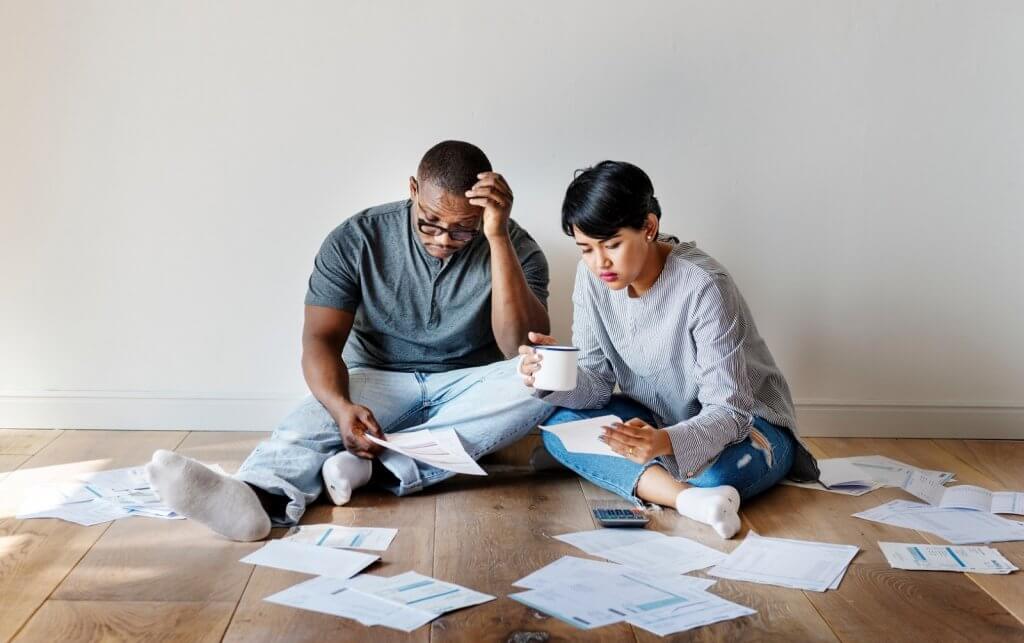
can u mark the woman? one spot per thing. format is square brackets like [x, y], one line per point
[710, 418]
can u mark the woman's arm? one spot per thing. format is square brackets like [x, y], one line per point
[724, 390]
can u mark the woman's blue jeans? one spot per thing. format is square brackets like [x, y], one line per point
[748, 466]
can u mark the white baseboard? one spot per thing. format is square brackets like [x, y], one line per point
[144, 411]
[262, 412]
[895, 420]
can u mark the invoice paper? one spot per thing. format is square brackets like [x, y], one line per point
[426, 593]
[645, 549]
[571, 570]
[375, 538]
[946, 558]
[439, 448]
[965, 496]
[310, 559]
[343, 598]
[958, 526]
[839, 475]
[582, 436]
[704, 609]
[798, 564]
[588, 605]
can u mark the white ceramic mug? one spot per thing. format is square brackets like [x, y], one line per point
[557, 368]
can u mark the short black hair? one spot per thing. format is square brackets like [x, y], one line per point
[453, 166]
[607, 197]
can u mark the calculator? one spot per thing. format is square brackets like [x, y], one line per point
[618, 517]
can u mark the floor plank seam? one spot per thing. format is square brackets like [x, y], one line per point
[238, 602]
[57, 585]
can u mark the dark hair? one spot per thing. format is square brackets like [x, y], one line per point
[605, 198]
[453, 166]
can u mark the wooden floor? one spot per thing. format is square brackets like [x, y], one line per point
[144, 579]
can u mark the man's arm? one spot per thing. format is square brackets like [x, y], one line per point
[515, 309]
[324, 334]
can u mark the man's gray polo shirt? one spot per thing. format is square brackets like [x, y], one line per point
[414, 312]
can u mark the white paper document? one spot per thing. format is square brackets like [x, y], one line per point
[374, 538]
[965, 496]
[426, 593]
[582, 436]
[839, 475]
[798, 564]
[645, 549]
[946, 558]
[641, 601]
[571, 570]
[310, 559]
[702, 609]
[86, 513]
[439, 448]
[958, 526]
[340, 597]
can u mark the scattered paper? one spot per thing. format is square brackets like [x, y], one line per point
[975, 560]
[702, 609]
[427, 594]
[964, 496]
[582, 436]
[310, 559]
[404, 602]
[642, 600]
[374, 538]
[340, 597]
[858, 475]
[99, 496]
[958, 526]
[571, 570]
[798, 564]
[645, 549]
[439, 448]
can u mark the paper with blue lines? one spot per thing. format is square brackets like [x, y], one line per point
[338, 536]
[946, 558]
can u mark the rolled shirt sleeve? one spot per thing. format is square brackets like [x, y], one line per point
[724, 389]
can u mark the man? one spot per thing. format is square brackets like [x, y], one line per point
[411, 307]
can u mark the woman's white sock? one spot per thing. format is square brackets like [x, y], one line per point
[715, 506]
[343, 474]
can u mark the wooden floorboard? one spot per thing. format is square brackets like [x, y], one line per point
[127, 621]
[496, 532]
[987, 465]
[412, 549]
[26, 441]
[781, 615]
[36, 555]
[145, 579]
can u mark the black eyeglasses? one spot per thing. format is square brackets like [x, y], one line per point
[455, 234]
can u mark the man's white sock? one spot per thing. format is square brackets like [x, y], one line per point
[227, 506]
[715, 506]
[343, 474]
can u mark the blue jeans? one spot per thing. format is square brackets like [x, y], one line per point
[746, 465]
[488, 407]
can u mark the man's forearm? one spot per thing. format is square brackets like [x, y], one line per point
[515, 310]
[326, 374]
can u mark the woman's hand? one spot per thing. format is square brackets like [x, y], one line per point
[637, 440]
[529, 360]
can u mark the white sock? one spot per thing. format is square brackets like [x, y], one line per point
[715, 506]
[227, 506]
[343, 474]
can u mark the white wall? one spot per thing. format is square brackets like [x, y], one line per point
[168, 169]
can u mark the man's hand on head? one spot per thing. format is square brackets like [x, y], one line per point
[355, 421]
[493, 194]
